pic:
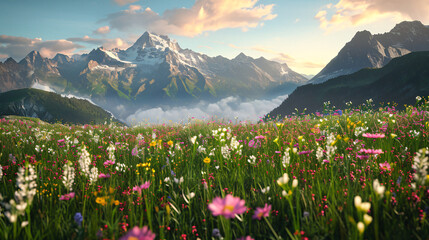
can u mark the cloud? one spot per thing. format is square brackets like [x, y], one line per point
[124, 2]
[227, 109]
[105, 42]
[102, 30]
[356, 12]
[19, 47]
[233, 46]
[203, 16]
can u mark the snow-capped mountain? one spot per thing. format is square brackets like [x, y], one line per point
[154, 71]
[375, 51]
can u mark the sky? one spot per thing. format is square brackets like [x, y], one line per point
[305, 34]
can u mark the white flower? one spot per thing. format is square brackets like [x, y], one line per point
[265, 190]
[283, 180]
[295, 183]
[178, 181]
[93, 176]
[68, 176]
[252, 160]
[190, 195]
[286, 158]
[367, 219]
[193, 139]
[378, 188]
[360, 227]
[24, 224]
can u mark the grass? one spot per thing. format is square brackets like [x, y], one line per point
[321, 155]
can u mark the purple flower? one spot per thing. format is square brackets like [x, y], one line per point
[228, 206]
[262, 212]
[67, 197]
[139, 234]
[78, 218]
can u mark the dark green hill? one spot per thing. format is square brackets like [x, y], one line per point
[400, 81]
[51, 107]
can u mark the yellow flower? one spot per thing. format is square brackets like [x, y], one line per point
[392, 135]
[207, 160]
[170, 143]
[276, 140]
[101, 200]
[167, 208]
[152, 144]
[111, 190]
[346, 139]
[116, 202]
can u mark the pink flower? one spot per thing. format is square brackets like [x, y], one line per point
[375, 135]
[385, 166]
[67, 197]
[246, 238]
[262, 212]
[371, 151]
[228, 206]
[259, 137]
[146, 185]
[102, 175]
[108, 163]
[139, 234]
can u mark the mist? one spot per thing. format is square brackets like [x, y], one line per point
[227, 109]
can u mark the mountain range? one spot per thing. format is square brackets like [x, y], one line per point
[374, 51]
[154, 71]
[400, 81]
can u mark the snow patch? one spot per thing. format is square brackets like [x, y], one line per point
[108, 68]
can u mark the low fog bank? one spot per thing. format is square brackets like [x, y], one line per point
[227, 109]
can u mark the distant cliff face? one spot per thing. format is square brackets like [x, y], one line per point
[375, 51]
[28, 107]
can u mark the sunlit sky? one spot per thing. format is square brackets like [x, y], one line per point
[305, 34]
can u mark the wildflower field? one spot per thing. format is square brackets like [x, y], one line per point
[359, 173]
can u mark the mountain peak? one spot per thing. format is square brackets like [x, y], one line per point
[152, 40]
[242, 57]
[409, 26]
[10, 60]
[362, 36]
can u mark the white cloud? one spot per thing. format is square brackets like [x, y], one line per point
[356, 12]
[226, 109]
[203, 16]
